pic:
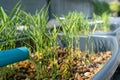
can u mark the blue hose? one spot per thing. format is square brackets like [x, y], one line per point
[13, 55]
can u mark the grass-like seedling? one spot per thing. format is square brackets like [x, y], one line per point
[105, 19]
[8, 34]
[73, 24]
[44, 47]
[102, 24]
[8, 23]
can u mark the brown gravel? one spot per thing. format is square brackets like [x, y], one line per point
[71, 64]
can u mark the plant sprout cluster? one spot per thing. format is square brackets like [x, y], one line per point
[45, 40]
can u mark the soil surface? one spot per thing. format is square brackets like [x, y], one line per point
[71, 65]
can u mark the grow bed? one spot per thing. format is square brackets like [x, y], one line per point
[84, 66]
[100, 44]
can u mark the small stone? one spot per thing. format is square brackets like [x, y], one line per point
[86, 74]
[98, 59]
[81, 75]
[78, 77]
[108, 52]
[83, 70]
[27, 79]
[79, 64]
[91, 69]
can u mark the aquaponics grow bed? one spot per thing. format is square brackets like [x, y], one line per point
[95, 43]
[98, 43]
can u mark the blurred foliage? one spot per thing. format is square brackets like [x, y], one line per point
[100, 7]
[114, 6]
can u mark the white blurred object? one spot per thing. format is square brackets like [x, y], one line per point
[21, 28]
[95, 22]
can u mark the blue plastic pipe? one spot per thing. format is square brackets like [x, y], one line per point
[13, 55]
